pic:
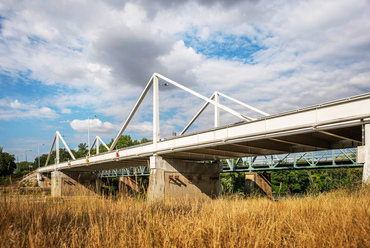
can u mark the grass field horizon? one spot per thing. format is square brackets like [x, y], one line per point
[339, 218]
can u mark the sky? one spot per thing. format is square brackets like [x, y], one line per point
[63, 61]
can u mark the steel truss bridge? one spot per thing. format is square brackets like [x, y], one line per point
[257, 143]
[296, 161]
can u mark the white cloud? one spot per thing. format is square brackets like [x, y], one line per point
[17, 105]
[143, 128]
[96, 125]
[10, 110]
[312, 51]
[66, 111]
[36, 113]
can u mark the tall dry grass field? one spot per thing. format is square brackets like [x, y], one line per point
[336, 219]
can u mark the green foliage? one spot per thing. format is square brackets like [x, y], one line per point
[63, 156]
[126, 141]
[82, 151]
[43, 158]
[299, 181]
[232, 182]
[293, 181]
[5, 180]
[27, 166]
[7, 164]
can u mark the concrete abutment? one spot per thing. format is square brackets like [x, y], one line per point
[173, 178]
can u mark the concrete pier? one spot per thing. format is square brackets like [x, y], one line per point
[44, 180]
[128, 186]
[74, 183]
[257, 183]
[364, 154]
[172, 178]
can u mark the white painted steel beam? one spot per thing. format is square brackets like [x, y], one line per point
[197, 115]
[96, 144]
[217, 110]
[216, 97]
[156, 135]
[56, 138]
[204, 98]
[133, 111]
[243, 104]
[366, 156]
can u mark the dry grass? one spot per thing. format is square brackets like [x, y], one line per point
[336, 219]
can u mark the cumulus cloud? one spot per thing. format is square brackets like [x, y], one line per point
[96, 125]
[10, 110]
[66, 111]
[17, 105]
[275, 55]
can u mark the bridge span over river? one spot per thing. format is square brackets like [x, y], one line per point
[177, 164]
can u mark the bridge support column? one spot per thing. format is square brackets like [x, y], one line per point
[172, 178]
[43, 180]
[74, 183]
[364, 155]
[257, 183]
[128, 186]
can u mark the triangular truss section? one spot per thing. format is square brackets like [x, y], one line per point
[96, 142]
[56, 139]
[153, 81]
[216, 96]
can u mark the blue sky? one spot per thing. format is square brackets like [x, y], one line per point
[61, 62]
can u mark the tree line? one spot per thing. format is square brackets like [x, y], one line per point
[299, 181]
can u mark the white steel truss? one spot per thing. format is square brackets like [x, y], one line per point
[57, 136]
[214, 100]
[332, 125]
[96, 142]
[216, 95]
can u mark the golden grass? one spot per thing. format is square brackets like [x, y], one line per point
[336, 219]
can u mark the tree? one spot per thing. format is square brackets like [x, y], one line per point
[124, 141]
[101, 149]
[63, 156]
[82, 151]
[26, 166]
[7, 164]
[144, 140]
[232, 182]
[43, 158]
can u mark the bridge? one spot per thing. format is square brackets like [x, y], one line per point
[342, 158]
[192, 160]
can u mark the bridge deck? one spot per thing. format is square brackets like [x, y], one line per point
[333, 125]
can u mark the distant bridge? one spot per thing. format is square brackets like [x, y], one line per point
[343, 158]
[336, 125]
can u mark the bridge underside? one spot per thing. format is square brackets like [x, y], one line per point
[336, 125]
[273, 144]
